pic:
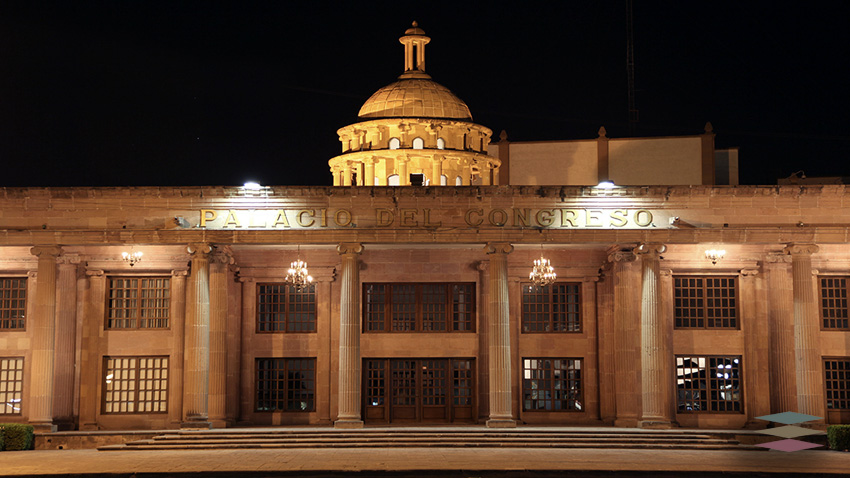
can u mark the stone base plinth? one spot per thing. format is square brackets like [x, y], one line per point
[655, 423]
[219, 423]
[626, 422]
[196, 425]
[43, 427]
[348, 424]
[501, 423]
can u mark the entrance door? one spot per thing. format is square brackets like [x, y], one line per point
[418, 390]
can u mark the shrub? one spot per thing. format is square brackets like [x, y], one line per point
[17, 436]
[2, 438]
[838, 437]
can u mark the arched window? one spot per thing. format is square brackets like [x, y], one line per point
[441, 143]
[393, 180]
[418, 143]
[458, 181]
[395, 143]
[444, 181]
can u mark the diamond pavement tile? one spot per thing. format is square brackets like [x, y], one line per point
[789, 418]
[789, 445]
[790, 431]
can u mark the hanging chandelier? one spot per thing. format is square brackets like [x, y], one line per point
[298, 276]
[132, 257]
[542, 274]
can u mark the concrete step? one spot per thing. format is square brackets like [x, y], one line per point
[456, 444]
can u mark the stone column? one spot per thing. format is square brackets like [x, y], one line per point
[436, 170]
[247, 369]
[780, 334]
[349, 338]
[65, 341]
[810, 398]
[43, 325]
[197, 351]
[369, 172]
[403, 177]
[655, 355]
[753, 325]
[178, 326]
[219, 262]
[484, 171]
[499, 334]
[626, 336]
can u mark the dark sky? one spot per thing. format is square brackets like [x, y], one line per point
[146, 93]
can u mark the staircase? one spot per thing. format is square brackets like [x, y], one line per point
[431, 437]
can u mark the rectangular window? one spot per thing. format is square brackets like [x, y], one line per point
[705, 302]
[423, 307]
[708, 384]
[551, 384]
[139, 302]
[286, 384]
[837, 383]
[11, 385]
[13, 302]
[135, 385]
[833, 303]
[553, 308]
[282, 308]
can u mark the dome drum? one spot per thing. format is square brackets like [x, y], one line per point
[417, 133]
[400, 167]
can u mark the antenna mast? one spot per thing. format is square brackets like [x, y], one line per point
[630, 68]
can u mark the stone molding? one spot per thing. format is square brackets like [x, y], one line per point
[749, 272]
[777, 257]
[794, 249]
[200, 248]
[349, 248]
[650, 248]
[498, 248]
[39, 251]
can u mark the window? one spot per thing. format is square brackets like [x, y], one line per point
[708, 384]
[286, 384]
[11, 385]
[393, 180]
[418, 143]
[13, 302]
[135, 385]
[138, 303]
[417, 179]
[553, 308]
[551, 384]
[833, 303]
[458, 181]
[705, 302]
[281, 308]
[837, 382]
[441, 143]
[394, 143]
[426, 307]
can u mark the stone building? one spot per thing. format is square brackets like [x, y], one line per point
[421, 309]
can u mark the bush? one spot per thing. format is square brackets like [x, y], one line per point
[838, 437]
[2, 440]
[17, 436]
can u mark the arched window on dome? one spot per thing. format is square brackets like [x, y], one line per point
[458, 181]
[392, 180]
[444, 181]
[418, 143]
[395, 143]
[441, 143]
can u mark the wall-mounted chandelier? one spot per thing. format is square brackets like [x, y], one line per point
[542, 273]
[298, 276]
[715, 255]
[132, 257]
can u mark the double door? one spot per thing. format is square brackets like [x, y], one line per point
[418, 390]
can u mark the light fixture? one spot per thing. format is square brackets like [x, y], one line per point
[297, 276]
[715, 255]
[132, 257]
[606, 185]
[253, 185]
[542, 273]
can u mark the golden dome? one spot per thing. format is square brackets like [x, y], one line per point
[415, 98]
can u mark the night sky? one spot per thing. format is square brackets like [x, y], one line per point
[180, 93]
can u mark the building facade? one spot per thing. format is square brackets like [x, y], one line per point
[421, 310]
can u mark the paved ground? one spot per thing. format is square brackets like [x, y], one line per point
[397, 462]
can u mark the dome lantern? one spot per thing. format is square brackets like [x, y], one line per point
[414, 41]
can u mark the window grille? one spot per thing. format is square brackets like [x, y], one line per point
[282, 308]
[551, 308]
[285, 384]
[708, 384]
[135, 385]
[705, 302]
[552, 384]
[13, 303]
[139, 303]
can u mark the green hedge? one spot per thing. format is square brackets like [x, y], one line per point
[838, 437]
[16, 436]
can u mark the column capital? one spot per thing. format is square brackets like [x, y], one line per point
[622, 256]
[795, 249]
[749, 272]
[221, 257]
[482, 266]
[32, 274]
[69, 259]
[94, 272]
[498, 248]
[349, 248]
[46, 251]
[244, 280]
[650, 248]
[179, 273]
[201, 248]
[777, 258]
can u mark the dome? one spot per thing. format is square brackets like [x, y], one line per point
[415, 98]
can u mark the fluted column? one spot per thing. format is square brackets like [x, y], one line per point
[43, 325]
[197, 351]
[369, 172]
[65, 341]
[810, 399]
[436, 170]
[755, 349]
[655, 354]
[499, 334]
[219, 262]
[780, 334]
[626, 336]
[349, 338]
[247, 368]
[178, 325]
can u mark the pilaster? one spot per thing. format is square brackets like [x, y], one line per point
[626, 335]
[219, 262]
[65, 341]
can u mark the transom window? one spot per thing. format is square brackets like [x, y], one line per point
[13, 302]
[708, 384]
[286, 385]
[705, 302]
[282, 308]
[837, 382]
[833, 303]
[552, 308]
[138, 302]
[11, 385]
[423, 307]
[135, 385]
[551, 384]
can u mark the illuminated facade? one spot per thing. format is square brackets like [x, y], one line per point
[420, 310]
